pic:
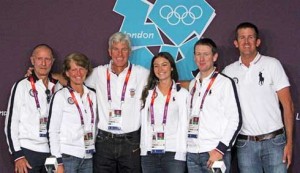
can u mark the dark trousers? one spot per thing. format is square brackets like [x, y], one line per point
[36, 160]
[117, 153]
[162, 163]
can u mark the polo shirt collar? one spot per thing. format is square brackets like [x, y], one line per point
[255, 60]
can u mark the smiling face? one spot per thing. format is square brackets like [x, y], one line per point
[247, 42]
[42, 61]
[76, 74]
[119, 53]
[162, 68]
[204, 59]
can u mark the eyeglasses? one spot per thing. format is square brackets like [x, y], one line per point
[48, 93]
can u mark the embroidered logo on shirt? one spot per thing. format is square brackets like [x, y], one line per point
[70, 101]
[261, 79]
[31, 93]
[132, 92]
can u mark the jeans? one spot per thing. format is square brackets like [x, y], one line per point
[36, 160]
[162, 163]
[117, 154]
[264, 156]
[77, 165]
[197, 162]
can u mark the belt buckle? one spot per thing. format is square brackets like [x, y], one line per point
[256, 138]
[253, 138]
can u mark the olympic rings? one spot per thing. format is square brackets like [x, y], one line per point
[181, 14]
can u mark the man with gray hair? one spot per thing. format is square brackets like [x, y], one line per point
[119, 86]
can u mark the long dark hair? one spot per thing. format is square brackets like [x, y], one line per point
[153, 80]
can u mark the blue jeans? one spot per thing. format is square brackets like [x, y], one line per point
[117, 154]
[162, 163]
[36, 160]
[197, 162]
[264, 156]
[77, 165]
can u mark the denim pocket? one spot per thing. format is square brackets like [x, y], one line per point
[240, 143]
[101, 138]
[132, 140]
[279, 140]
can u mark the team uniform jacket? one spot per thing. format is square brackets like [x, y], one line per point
[176, 124]
[22, 121]
[131, 106]
[220, 120]
[257, 87]
[66, 134]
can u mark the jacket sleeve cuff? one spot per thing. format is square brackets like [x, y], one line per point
[222, 148]
[17, 155]
[59, 161]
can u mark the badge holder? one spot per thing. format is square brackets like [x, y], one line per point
[115, 120]
[158, 142]
[89, 143]
[43, 126]
[193, 127]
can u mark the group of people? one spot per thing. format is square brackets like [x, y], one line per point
[121, 117]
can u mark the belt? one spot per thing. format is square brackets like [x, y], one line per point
[120, 136]
[261, 137]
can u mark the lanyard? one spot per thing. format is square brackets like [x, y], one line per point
[79, 110]
[124, 85]
[154, 94]
[35, 94]
[212, 79]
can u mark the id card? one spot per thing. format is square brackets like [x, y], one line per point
[193, 127]
[43, 126]
[115, 120]
[158, 141]
[89, 143]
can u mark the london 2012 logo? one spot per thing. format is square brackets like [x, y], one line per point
[172, 25]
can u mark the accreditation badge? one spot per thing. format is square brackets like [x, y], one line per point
[193, 127]
[89, 142]
[43, 126]
[115, 119]
[158, 140]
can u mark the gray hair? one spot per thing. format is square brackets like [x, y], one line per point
[119, 37]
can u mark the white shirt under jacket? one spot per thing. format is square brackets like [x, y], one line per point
[176, 124]
[220, 120]
[66, 134]
[131, 108]
[22, 121]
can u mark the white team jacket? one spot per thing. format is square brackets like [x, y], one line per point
[22, 119]
[66, 134]
[220, 120]
[176, 123]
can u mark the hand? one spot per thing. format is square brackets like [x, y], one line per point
[60, 169]
[287, 155]
[29, 72]
[60, 78]
[214, 155]
[22, 165]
